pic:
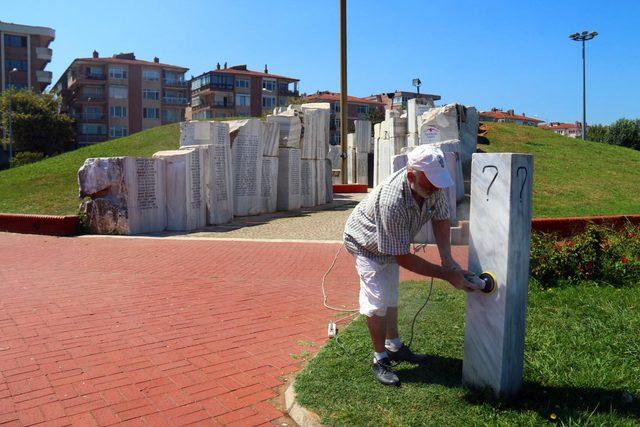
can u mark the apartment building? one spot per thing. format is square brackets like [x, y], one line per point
[239, 92]
[357, 109]
[117, 96]
[572, 130]
[398, 99]
[25, 49]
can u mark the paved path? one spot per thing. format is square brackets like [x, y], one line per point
[99, 331]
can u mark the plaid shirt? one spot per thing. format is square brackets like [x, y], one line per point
[384, 223]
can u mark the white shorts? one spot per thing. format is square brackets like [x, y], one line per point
[378, 285]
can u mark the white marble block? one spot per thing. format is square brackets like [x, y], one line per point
[328, 179]
[334, 156]
[351, 159]
[452, 161]
[290, 128]
[127, 195]
[362, 135]
[184, 170]
[246, 149]
[308, 183]
[499, 242]
[444, 119]
[309, 140]
[320, 182]
[362, 168]
[270, 138]
[288, 192]
[414, 110]
[269, 184]
[468, 133]
[453, 146]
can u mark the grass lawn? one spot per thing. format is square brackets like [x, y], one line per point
[582, 365]
[51, 186]
[572, 177]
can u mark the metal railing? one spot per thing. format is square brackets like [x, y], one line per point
[222, 105]
[174, 82]
[175, 100]
[90, 98]
[92, 76]
[89, 116]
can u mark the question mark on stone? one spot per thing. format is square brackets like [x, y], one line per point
[493, 180]
[526, 173]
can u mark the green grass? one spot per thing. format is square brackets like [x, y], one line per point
[573, 177]
[582, 363]
[51, 185]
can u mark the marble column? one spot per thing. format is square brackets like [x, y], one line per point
[499, 242]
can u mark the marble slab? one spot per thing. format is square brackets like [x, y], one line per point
[328, 180]
[362, 135]
[351, 159]
[269, 184]
[468, 133]
[308, 180]
[270, 138]
[290, 129]
[453, 146]
[444, 118]
[452, 160]
[288, 193]
[334, 156]
[362, 168]
[126, 195]
[320, 182]
[186, 206]
[414, 110]
[499, 242]
[246, 151]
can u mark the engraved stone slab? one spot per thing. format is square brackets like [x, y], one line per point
[270, 138]
[499, 242]
[453, 146]
[328, 178]
[311, 137]
[127, 195]
[290, 128]
[269, 191]
[288, 192]
[308, 183]
[362, 135]
[184, 170]
[362, 168]
[351, 159]
[246, 152]
[320, 182]
[195, 132]
[414, 110]
[334, 156]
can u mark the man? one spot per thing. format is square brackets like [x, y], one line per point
[379, 232]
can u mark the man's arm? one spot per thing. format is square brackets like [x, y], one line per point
[423, 267]
[442, 233]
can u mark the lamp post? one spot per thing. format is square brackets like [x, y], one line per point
[343, 88]
[15, 70]
[583, 37]
[416, 83]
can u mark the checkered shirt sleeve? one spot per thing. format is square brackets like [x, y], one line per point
[441, 205]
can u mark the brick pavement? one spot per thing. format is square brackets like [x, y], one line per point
[100, 331]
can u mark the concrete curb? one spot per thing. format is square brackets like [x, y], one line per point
[303, 417]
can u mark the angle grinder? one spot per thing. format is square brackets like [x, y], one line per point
[486, 281]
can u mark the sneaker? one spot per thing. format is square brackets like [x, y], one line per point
[383, 372]
[404, 354]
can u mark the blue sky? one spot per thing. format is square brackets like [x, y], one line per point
[506, 54]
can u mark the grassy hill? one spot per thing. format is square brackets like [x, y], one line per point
[571, 177]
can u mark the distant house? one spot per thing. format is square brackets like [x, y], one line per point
[572, 130]
[497, 115]
[398, 99]
[358, 109]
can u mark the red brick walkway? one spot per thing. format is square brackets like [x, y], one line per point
[99, 331]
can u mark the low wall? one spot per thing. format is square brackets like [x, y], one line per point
[51, 225]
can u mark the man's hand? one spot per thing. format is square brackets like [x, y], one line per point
[450, 264]
[458, 281]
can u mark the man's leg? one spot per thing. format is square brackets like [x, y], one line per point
[392, 323]
[377, 329]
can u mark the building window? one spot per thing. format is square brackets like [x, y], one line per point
[283, 87]
[20, 64]
[243, 100]
[222, 81]
[195, 101]
[171, 116]
[118, 112]
[269, 84]
[95, 92]
[15, 41]
[93, 113]
[118, 131]
[268, 101]
[118, 92]
[363, 109]
[150, 94]
[118, 73]
[150, 113]
[151, 75]
[202, 115]
[92, 129]
[242, 83]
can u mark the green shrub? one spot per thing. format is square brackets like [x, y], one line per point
[597, 133]
[624, 132]
[26, 157]
[597, 254]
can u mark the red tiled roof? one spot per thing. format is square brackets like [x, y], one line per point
[335, 97]
[127, 61]
[253, 73]
[560, 126]
[503, 115]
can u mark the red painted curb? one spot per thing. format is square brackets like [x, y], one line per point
[350, 188]
[51, 225]
[570, 226]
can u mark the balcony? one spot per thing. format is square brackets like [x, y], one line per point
[44, 53]
[288, 92]
[92, 98]
[175, 83]
[95, 76]
[88, 116]
[222, 105]
[90, 138]
[43, 76]
[175, 100]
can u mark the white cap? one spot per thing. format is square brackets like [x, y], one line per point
[430, 160]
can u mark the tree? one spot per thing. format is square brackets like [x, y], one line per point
[376, 115]
[597, 133]
[37, 125]
[625, 132]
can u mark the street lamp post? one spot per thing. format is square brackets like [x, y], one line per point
[15, 70]
[583, 37]
[417, 83]
[343, 89]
